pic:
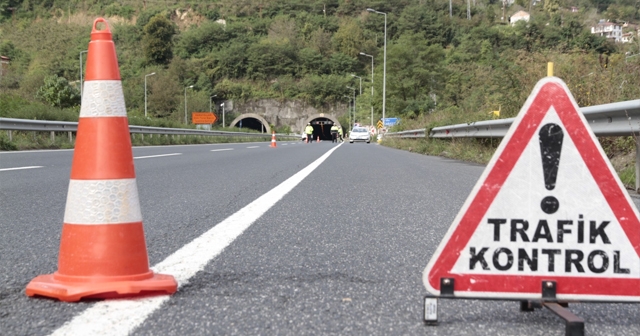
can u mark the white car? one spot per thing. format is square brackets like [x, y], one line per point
[359, 134]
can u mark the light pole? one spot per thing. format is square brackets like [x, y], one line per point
[222, 114]
[349, 107]
[354, 105]
[185, 103]
[210, 110]
[384, 65]
[145, 92]
[363, 54]
[352, 75]
[82, 52]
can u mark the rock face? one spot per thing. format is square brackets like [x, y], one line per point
[295, 114]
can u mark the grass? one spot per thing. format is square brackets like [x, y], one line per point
[619, 150]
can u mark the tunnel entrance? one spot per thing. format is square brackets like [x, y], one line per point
[322, 128]
[251, 123]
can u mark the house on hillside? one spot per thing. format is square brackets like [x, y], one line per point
[519, 16]
[610, 30]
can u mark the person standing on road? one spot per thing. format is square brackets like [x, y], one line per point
[309, 131]
[340, 133]
[334, 133]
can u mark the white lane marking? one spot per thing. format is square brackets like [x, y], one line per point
[284, 144]
[120, 317]
[220, 150]
[21, 168]
[155, 156]
[253, 146]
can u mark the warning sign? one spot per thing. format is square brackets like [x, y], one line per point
[203, 118]
[549, 206]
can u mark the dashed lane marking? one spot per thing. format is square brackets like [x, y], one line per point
[156, 156]
[21, 168]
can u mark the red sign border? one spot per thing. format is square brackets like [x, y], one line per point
[548, 92]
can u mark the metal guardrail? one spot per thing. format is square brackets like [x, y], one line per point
[615, 119]
[417, 133]
[12, 124]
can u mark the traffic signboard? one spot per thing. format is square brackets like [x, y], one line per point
[390, 121]
[379, 124]
[203, 118]
[548, 207]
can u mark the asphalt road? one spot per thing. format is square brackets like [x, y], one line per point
[341, 253]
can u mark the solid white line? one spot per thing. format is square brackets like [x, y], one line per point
[220, 150]
[155, 156]
[120, 317]
[21, 168]
[253, 146]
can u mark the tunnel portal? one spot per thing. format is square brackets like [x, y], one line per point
[322, 128]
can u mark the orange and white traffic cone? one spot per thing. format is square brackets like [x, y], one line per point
[102, 248]
[318, 139]
[273, 140]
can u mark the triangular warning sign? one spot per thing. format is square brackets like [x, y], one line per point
[548, 207]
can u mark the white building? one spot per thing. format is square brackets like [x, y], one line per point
[609, 30]
[519, 16]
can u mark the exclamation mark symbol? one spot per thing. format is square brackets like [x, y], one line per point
[550, 136]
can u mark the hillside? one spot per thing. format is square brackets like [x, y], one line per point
[442, 67]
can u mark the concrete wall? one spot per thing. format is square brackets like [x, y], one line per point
[291, 113]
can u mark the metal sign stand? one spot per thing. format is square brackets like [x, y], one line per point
[574, 325]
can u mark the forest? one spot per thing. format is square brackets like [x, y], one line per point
[455, 61]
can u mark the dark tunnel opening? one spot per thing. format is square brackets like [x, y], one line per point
[251, 123]
[322, 128]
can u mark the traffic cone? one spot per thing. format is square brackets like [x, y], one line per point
[318, 139]
[273, 140]
[102, 248]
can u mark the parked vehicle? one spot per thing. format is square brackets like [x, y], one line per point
[359, 134]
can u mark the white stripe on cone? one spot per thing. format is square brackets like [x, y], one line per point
[96, 202]
[103, 98]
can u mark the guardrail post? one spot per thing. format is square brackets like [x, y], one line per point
[53, 136]
[637, 163]
[142, 136]
[70, 137]
[10, 135]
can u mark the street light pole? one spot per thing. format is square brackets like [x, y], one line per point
[384, 66]
[371, 100]
[349, 107]
[360, 83]
[84, 51]
[354, 105]
[210, 110]
[145, 92]
[222, 114]
[185, 103]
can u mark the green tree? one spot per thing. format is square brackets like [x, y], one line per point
[349, 38]
[58, 93]
[157, 41]
[551, 6]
